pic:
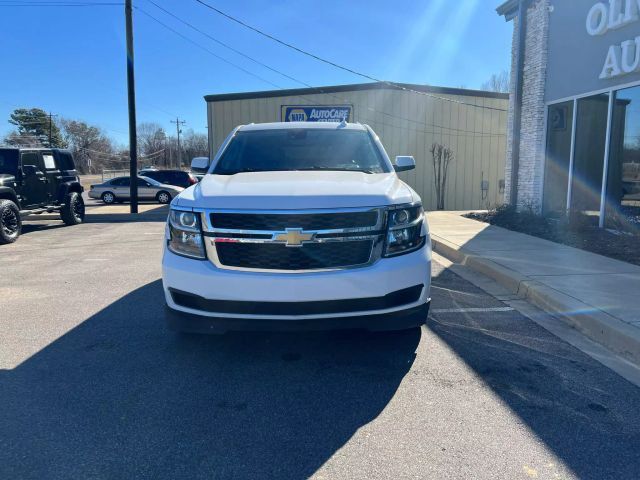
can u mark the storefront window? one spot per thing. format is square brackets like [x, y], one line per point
[588, 163]
[558, 153]
[623, 180]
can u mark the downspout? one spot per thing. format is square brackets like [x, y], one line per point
[517, 101]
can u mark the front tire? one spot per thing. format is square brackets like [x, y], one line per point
[73, 211]
[163, 197]
[10, 222]
[108, 198]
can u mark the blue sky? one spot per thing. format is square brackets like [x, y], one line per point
[72, 60]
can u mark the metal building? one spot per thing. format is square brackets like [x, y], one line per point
[408, 118]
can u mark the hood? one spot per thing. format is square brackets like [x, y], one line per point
[296, 190]
[7, 179]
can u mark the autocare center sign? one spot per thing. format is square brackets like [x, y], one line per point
[316, 113]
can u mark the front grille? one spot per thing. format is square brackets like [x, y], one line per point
[311, 256]
[305, 221]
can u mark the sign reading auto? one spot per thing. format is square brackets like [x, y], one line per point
[316, 113]
[603, 17]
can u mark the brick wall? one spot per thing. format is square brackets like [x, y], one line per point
[532, 146]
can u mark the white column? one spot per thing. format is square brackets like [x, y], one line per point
[574, 122]
[605, 170]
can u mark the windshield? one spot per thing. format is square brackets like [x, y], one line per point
[9, 161]
[301, 149]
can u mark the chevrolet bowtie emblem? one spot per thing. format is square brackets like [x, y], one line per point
[294, 237]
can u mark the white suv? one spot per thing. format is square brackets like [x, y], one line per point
[298, 226]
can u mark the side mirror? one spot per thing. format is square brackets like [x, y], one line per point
[404, 163]
[29, 170]
[200, 164]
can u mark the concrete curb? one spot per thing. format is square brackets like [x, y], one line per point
[597, 325]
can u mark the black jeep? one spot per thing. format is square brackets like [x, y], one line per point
[34, 181]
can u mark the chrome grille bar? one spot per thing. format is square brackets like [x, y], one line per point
[299, 237]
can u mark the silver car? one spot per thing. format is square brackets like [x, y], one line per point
[117, 190]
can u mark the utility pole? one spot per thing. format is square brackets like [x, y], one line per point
[131, 89]
[179, 122]
[51, 128]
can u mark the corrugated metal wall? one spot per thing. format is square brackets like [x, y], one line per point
[408, 124]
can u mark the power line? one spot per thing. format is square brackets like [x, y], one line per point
[336, 65]
[206, 49]
[311, 86]
[226, 45]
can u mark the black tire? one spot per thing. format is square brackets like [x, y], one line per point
[108, 198]
[163, 197]
[73, 211]
[10, 222]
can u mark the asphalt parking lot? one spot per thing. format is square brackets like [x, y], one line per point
[92, 385]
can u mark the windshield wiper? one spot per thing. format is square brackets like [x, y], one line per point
[243, 170]
[336, 169]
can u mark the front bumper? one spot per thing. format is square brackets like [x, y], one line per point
[398, 320]
[366, 288]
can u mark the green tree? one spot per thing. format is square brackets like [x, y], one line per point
[36, 126]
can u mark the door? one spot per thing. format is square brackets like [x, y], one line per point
[34, 180]
[145, 189]
[558, 159]
[53, 175]
[121, 187]
[588, 164]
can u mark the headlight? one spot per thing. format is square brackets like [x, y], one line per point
[185, 234]
[404, 227]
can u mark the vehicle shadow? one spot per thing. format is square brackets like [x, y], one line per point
[585, 414]
[147, 213]
[119, 396]
[40, 226]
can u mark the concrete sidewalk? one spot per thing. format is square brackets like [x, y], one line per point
[596, 295]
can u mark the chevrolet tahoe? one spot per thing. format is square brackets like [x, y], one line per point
[298, 225]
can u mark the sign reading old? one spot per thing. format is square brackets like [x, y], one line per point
[316, 113]
[623, 58]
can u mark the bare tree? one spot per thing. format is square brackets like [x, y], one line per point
[498, 82]
[92, 149]
[442, 156]
[151, 139]
[195, 145]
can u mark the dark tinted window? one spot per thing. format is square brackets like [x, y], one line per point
[143, 183]
[159, 176]
[301, 149]
[65, 161]
[9, 161]
[120, 182]
[34, 159]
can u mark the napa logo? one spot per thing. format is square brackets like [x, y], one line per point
[316, 113]
[297, 115]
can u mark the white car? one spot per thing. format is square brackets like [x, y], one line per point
[298, 226]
